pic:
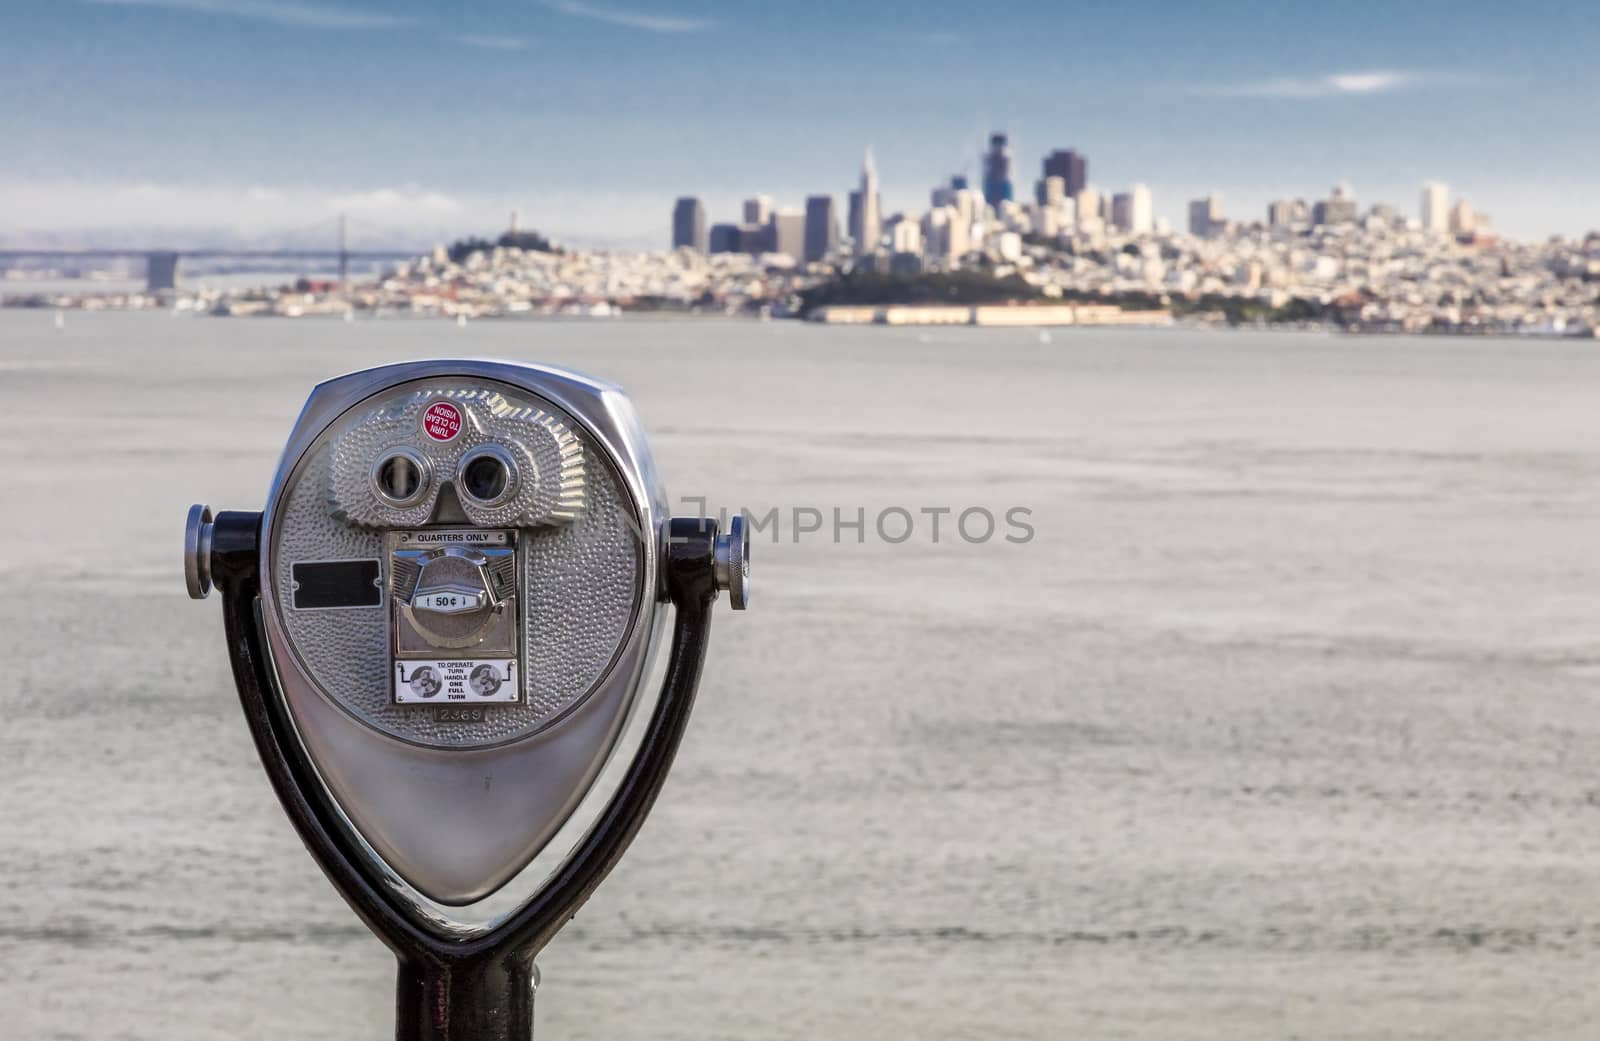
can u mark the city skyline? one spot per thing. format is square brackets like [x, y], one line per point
[591, 119]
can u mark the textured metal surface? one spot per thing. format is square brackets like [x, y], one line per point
[582, 577]
[544, 448]
[453, 823]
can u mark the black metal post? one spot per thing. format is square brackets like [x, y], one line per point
[486, 998]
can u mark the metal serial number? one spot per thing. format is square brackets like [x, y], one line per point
[460, 714]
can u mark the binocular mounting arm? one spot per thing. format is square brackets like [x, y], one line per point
[475, 986]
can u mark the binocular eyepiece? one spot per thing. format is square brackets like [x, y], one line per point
[441, 626]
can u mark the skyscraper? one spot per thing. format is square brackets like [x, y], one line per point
[724, 238]
[758, 210]
[1132, 210]
[1071, 167]
[871, 220]
[1338, 208]
[822, 227]
[997, 171]
[689, 225]
[788, 235]
[1436, 207]
[1205, 217]
[905, 235]
[1088, 202]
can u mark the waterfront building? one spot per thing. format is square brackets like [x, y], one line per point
[1070, 166]
[822, 227]
[905, 263]
[689, 225]
[1436, 207]
[997, 171]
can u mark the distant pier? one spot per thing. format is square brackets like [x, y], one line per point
[1027, 315]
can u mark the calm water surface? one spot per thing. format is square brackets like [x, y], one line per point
[1284, 725]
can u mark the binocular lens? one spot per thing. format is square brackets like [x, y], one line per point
[485, 475]
[400, 478]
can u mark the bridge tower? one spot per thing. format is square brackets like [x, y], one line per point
[160, 271]
[344, 257]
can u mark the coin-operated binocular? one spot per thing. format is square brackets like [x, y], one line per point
[441, 627]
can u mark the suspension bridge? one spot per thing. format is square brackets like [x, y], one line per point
[161, 262]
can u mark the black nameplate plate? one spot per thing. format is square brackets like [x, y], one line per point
[337, 583]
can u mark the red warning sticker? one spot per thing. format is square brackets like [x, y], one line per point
[442, 421]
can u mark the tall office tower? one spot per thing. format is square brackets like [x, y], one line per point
[1436, 207]
[871, 219]
[1144, 210]
[822, 227]
[970, 204]
[758, 210]
[936, 225]
[689, 225]
[1122, 211]
[852, 224]
[1054, 190]
[1205, 217]
[756, 238]
[1131, 211]
[1071, 167]
[1088, 200]
[997, 171]
[788, 233]
[1281, 213]
[724, 238]
[1462, 220]
[905, 235]
[1338, 208]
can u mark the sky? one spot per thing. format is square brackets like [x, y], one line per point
[268, 117]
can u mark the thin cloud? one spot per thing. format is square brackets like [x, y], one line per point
[648, 21]
[408, 197]
[280, 12]
[1333, 85]
[492, 43]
